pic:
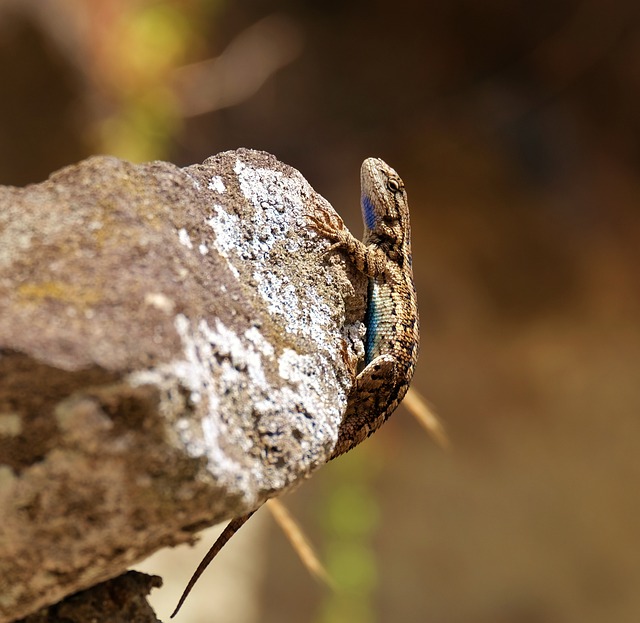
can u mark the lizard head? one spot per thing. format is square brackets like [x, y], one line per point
[385, 209]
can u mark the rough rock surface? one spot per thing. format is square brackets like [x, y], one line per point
[122, 599]
[175, 348]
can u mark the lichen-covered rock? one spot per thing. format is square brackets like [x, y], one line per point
[175, 348]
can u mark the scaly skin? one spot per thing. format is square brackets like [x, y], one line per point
[393, 331]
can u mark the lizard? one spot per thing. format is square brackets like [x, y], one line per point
[392, 324]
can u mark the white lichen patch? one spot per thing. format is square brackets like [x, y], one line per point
[279, 209]
[184, 239]
[247, 425]
[302, 372]
[216, 184]
[249, 244]
[308, 315]
[228, 232]
[258, 340]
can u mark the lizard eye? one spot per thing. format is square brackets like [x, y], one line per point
[393, 185]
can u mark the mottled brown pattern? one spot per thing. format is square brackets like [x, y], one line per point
[384, 255]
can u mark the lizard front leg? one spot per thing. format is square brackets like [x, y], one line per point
[368, 259]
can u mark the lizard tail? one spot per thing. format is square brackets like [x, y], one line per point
[233, 526]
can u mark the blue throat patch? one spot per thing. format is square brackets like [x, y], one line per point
[368, 213]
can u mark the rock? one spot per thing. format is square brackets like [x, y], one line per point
[175, 348]
[120, 599]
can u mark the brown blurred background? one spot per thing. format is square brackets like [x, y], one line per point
[516, 128]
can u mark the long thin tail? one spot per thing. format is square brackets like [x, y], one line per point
[228, 532]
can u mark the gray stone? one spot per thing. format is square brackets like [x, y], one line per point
[175, 348]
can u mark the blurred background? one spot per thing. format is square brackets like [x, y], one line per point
[516, 128]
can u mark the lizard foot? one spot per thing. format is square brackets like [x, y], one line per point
[327, 223]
